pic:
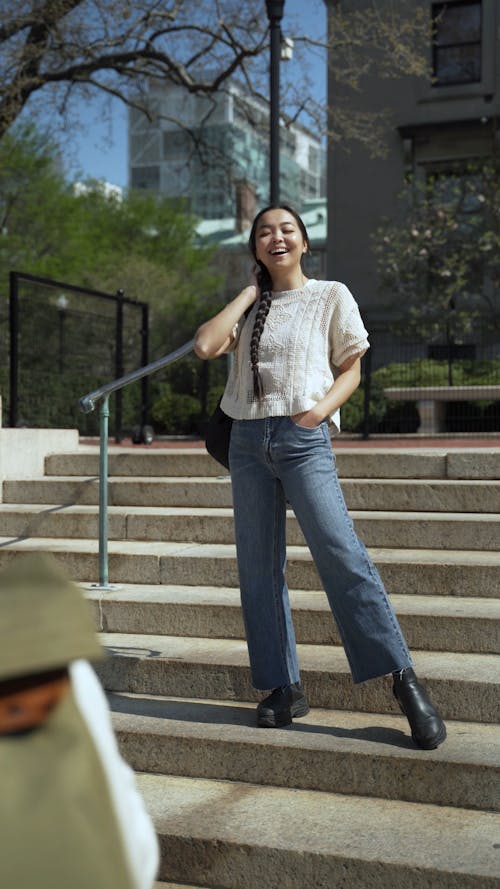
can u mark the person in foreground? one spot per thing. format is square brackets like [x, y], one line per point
[298, 343]
[71, 816]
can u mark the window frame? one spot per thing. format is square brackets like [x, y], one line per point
[437, 8]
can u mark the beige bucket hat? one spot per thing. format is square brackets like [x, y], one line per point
[45, 622]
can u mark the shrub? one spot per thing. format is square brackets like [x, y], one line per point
[175, 414]
[402, 417]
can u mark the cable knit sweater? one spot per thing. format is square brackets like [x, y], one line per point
[308, 334]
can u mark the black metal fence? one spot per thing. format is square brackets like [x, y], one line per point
[58, 342]
[394, 360]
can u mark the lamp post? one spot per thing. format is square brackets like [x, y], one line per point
[62, 304]
[275, 14]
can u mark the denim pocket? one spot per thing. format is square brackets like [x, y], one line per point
[306, 429]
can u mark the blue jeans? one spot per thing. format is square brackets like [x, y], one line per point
[273, 461]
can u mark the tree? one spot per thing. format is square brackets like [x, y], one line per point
[35, 201]
[137, 242]
[117, 46]
[148, 246]
[440, 268]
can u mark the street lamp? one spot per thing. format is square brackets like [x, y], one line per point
[275, 14]
[62, 304]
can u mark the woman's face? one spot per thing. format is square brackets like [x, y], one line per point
[279, 242]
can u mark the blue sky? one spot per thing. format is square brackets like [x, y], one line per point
[98, 147]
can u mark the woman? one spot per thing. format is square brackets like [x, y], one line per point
[298, 343]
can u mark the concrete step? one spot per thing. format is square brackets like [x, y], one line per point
[432, 623]
[406, 495]
[332, 751]
[160, 885]
[424, 572]
[416, 463]
[402, 462]
[463, 686]
[215, 525]
[239, 836]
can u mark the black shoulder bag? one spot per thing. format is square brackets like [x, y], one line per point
[218, 435]
[218, 431]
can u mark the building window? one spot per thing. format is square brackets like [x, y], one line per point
[288, 141]
[176, 144]
[145, 177]
[457, 42]
[314, 155]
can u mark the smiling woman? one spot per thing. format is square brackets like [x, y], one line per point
[298, 344]
[278, 241]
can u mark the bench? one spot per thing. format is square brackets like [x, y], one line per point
[431, 401]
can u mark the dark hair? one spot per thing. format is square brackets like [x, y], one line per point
[265, 283]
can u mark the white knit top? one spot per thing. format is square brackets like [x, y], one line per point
[308, 334]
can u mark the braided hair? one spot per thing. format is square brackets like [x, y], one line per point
[265, 285]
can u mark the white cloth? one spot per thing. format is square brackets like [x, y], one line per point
[139, 838]
[309, 333]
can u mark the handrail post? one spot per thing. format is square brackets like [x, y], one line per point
[103, 499]
[87, 404]
[14, 347]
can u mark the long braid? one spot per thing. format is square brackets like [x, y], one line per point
[265, 286]
[265, 283]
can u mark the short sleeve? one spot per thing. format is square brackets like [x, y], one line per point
[347, 335]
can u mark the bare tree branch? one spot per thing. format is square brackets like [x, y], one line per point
[117, 47]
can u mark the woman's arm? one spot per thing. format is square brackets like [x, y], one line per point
[347, 381]
[215, 336]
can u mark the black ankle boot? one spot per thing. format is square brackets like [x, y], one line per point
[427, 728]
[281, 705]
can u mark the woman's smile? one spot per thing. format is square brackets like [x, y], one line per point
[279, 241]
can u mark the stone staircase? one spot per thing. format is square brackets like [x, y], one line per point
[343, 798]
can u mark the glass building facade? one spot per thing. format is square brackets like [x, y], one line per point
[203, 149]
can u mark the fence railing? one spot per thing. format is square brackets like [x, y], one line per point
[87, 404]
[62, 337]
[398, 361]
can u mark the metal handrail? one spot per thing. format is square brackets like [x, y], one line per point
[87, 404]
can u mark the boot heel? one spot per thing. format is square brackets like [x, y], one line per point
[427, 728]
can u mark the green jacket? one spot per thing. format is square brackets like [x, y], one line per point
[58, 828]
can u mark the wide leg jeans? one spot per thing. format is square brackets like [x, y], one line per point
[274, 461]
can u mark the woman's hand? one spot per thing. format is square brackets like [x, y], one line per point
[348, 379]
[252, 289]
[215, 336]
[309, 419]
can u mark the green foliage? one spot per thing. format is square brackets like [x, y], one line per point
[396, 416]
[35, 202]
[175, 413]
[439, 268]
[214, 395]
[140, 243]
[352, 412]
[426, 372]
